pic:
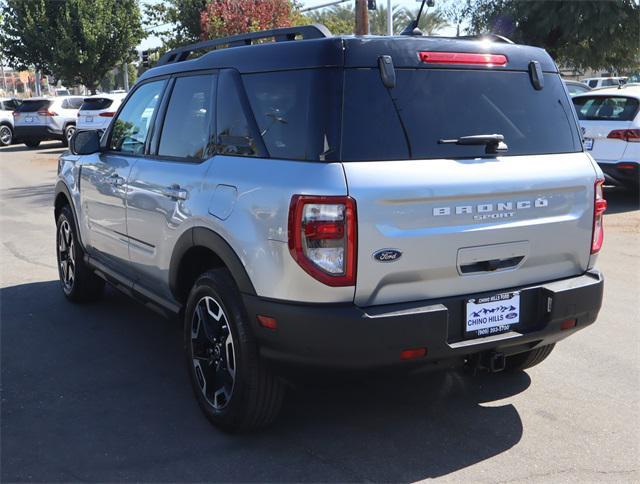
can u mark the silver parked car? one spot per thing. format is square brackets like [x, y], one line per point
[40, 119]
[7, 107]
[339, 202]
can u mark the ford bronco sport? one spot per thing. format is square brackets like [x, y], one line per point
[339, 202]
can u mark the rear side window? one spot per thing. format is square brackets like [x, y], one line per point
[298, 112]
[96, 104]
[186, 130]
[429, 105]
[10, 105]
[593, 83]
[606, 108]
[129, 130]
[33, 106]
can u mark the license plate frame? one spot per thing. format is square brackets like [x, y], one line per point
[28, 119]
[490, 315]
[588, 143]
[88, 119]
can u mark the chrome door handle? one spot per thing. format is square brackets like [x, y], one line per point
[175, 192]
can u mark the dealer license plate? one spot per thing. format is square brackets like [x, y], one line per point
[492, 314]
[28, 120]
[88, 119]
[588, 143]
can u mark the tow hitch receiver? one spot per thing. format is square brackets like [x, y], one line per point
[491, 361]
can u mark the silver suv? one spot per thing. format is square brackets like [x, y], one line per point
[339, 202]
[7, 107]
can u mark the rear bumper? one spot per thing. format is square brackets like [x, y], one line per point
[347, 336]
[626, 173]
[38, 132]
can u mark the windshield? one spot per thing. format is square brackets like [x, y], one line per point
[428, 105]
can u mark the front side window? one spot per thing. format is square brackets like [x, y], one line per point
[130, 128]
[185, 133]
[606, 108]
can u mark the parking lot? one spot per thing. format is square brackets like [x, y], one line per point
[99, 392]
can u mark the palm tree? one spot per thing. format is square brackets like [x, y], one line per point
[430, 22]
[378, 20]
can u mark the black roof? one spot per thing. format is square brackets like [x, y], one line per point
[352, 52]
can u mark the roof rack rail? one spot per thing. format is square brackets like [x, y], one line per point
[313, 31]
[493, 37]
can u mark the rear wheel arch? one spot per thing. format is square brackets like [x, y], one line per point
[198, 250]
[62, 198]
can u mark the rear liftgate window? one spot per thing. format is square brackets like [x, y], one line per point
[428, 105]
[603, 108]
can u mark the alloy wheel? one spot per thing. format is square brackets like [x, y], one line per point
[213, 352]
[70, 132]
[66, 255]
[5, 135]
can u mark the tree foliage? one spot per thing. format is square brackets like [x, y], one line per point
[76, 41]
[592, 34]
[176, 22]
[222, 18]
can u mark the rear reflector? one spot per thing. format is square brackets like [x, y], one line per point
[630, 135]
[568, 324]
[413, 353]
[463, 58]
[107, 115]
[267, 322]
[627, 166]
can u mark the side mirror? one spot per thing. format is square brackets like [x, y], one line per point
[85, 142]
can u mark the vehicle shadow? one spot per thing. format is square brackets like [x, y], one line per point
[620, 200]
[35, 196]
[44, 148]
[99, 392]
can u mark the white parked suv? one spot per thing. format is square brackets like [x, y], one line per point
[96, 111]
[7, 107]
[599, 82]
[40, 119]
[610, 120]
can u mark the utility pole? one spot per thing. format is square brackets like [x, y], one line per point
[126, 76]
[362, 17]
[389, 18]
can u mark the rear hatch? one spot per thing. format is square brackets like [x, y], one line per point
[600, 116]
[454, 219]
[32, 112]
[92, 111]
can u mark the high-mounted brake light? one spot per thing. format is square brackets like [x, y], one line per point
[107, 114]
[630, 135]
[463, 58]
[599, 207]
[322, 237]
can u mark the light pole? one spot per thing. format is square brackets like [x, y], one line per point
[389, 18]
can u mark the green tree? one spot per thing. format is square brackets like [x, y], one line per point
[176, 22]
[76, 41]
[431, 22]
[339, 19]
[586, 34]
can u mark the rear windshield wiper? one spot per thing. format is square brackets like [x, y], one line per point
[494, 143]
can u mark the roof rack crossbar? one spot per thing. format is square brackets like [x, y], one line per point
[305, 32]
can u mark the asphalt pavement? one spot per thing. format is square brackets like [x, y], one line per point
[99, 392]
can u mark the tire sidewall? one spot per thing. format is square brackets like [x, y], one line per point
[218, 285]
[65, 215]
[5, 127]
[67, 138]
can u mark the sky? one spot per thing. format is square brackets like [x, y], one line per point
[153, 41]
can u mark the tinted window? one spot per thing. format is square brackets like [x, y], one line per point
[428, 105]
[298, 112]
[607, 108]
[96, 104]
[32, 106]
[130, 128]
[593, 83]
[72, 103]
[235, 135]
[185, 133]
[10, 105]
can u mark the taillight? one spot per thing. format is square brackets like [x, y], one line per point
[107, 115]
[322, 237]
[488, 60]
[46, 112]
[630, 135]
[16, 114]
[599, 207]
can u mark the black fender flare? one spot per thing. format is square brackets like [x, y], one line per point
[61, 188]
[204, 237]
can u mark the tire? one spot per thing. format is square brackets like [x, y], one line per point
[6, 135]
[234, 387]
[525, 360]
[32, 143]
[69, 131]
[78, 282]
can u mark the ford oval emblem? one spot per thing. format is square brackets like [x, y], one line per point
[387, 255]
